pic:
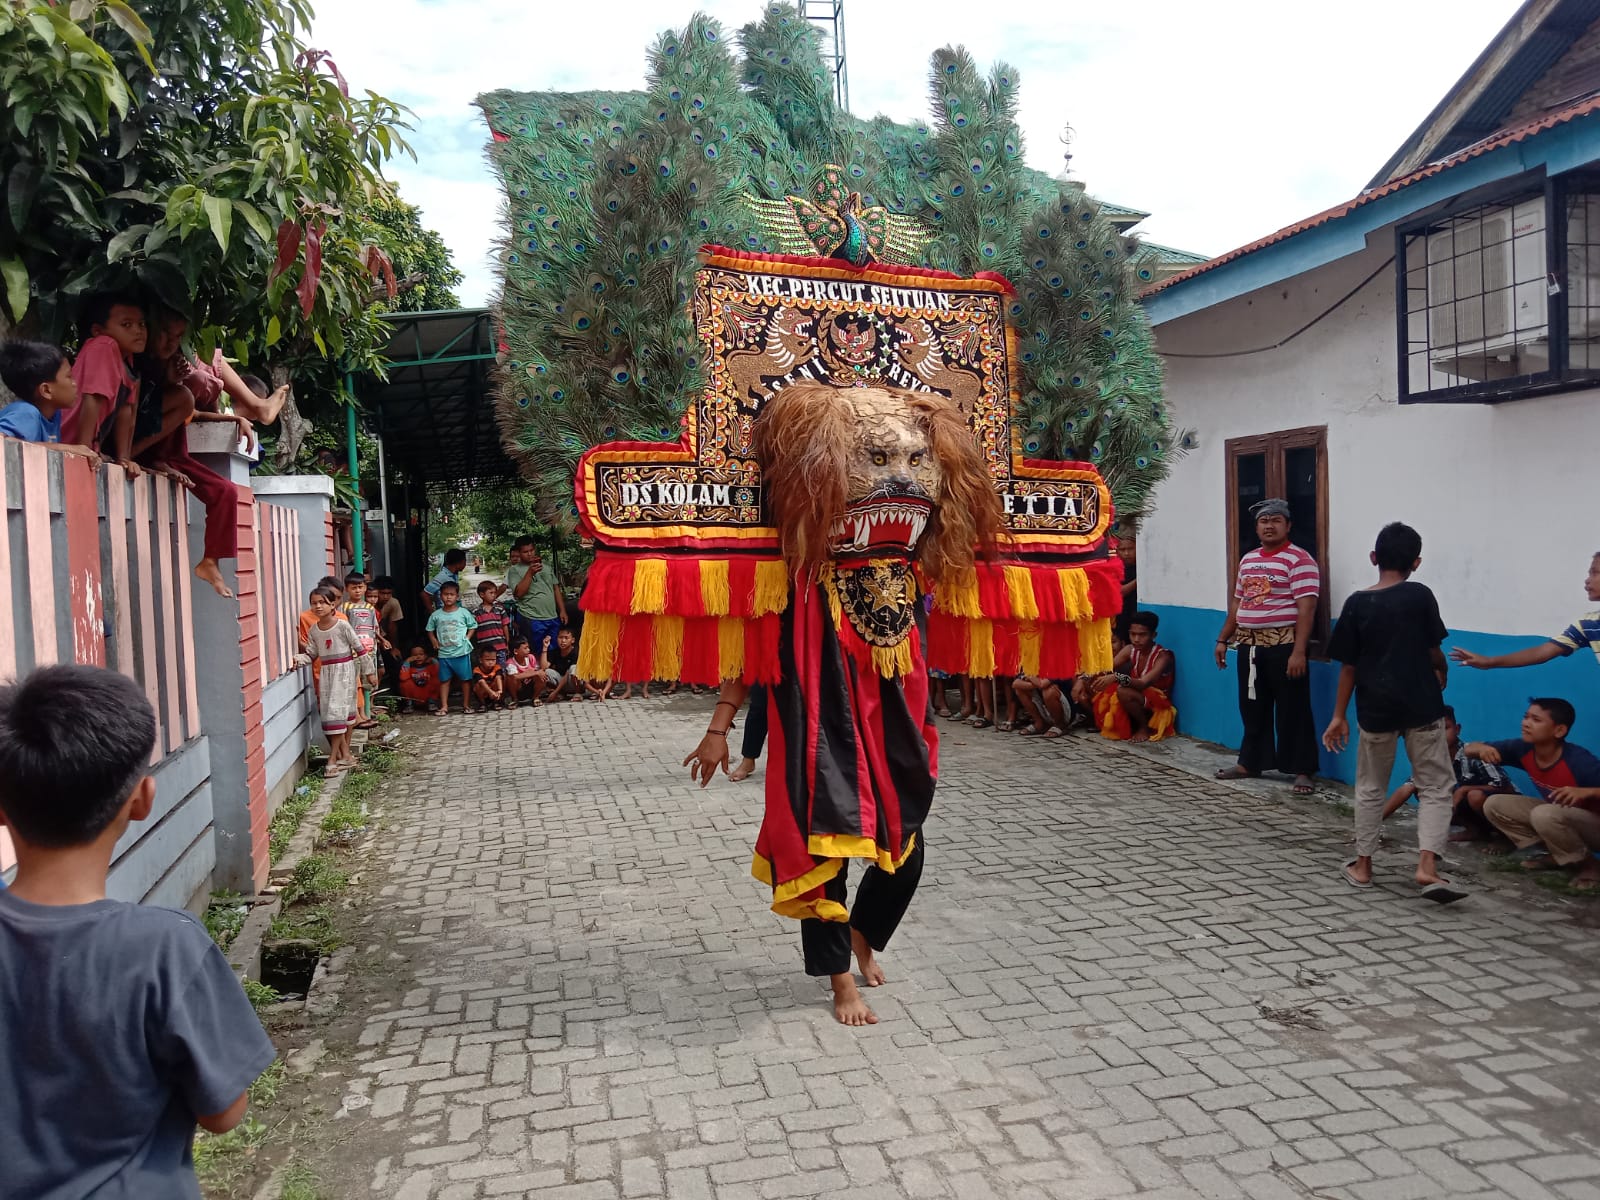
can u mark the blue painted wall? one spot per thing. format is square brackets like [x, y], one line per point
[1489, 704]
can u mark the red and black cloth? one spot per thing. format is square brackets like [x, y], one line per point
[854, 757]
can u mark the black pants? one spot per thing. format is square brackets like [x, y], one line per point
[1268, 697]
[755, 724]
[881, 901]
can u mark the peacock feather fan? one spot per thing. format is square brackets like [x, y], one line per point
[611, 194]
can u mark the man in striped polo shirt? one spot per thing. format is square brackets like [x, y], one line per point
[1585, 631]
[1270, 618]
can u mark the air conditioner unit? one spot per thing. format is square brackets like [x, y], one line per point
[1486, 291]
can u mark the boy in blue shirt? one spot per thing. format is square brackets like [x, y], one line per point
[40, 377]
[122, 1027]
[451, 628]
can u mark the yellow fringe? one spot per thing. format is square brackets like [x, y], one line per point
[958, 595]
[597, 652]
[1075, 595]
[1028, 648]
[848, 845]
[649, 585]
[893, 661]
[772, 587]
[730, 647]
[667, 656]
[1019, 586]
[980, 658]
[1094, 646]
[714, 586]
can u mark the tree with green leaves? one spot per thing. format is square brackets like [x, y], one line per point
[611, 194]
[200, 152]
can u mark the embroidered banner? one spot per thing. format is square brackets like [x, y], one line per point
[766, 321]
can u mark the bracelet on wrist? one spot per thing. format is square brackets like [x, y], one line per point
[721, 733]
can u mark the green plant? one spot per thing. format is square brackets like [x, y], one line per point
[224, 1160]
[316, 878]
[286, 821]
[260, 995]
[265, 1089]
[298, 1182]
[312, 923]
[225, 916]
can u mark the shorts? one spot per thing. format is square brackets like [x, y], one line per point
[554, 677]
[456, 670]
[537, 631]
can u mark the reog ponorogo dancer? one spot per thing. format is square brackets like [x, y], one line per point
[854, 451]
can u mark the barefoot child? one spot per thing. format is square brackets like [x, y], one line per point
[122, 1026]
[108, 390]
[450, 628]
[333, 644]
[419, 680]
[525, 681]
[1134, 701]
[363, 617]
[1565, 816]
[488, 680]
[1388, 639]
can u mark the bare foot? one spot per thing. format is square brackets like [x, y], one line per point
[1140, 735]
[745, 769]
[848, 1006]
[207, 571]
[1303, 785]
[870, 970]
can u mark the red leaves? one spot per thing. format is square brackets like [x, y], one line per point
[312, 59]
[288, 248]
[306, 290]
[380, 266]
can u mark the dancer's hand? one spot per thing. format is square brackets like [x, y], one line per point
[711, 753]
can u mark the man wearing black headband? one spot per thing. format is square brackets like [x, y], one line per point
[1270, 617]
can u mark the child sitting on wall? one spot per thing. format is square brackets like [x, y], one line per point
[40, 378]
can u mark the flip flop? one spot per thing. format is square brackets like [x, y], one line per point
[1540, 862]
[1444, 892]
[1350, 878]
[980, 722]
[1052, 733]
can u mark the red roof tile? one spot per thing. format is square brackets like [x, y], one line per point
[1494, 141]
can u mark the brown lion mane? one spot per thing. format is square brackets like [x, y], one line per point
[804, 438]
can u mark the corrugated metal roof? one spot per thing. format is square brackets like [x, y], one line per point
[1505, 137]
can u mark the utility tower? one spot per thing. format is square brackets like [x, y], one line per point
[830, 15]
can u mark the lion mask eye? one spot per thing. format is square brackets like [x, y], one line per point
[879, 458]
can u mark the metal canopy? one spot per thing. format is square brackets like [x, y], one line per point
[436, 412]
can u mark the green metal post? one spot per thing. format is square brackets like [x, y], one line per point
[357, 538]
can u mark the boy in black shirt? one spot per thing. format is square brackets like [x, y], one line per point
[1388, 639]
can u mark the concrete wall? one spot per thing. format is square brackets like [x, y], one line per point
[1501, 494]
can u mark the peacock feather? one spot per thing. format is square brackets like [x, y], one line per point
[610, 195]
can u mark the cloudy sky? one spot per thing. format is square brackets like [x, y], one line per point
[1225, 120]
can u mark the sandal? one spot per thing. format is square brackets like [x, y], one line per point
[979, 722]
[1444, 892]
[1350, 878]
[1540, 862]
[1236, 772]
[1303, 789]
[1006, 727]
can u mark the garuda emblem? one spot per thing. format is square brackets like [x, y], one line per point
[834, 222]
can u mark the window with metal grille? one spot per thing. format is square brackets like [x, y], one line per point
[1500, 295]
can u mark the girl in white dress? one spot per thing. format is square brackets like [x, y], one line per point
[335, 645]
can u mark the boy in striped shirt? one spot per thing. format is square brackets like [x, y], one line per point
[1270, 617]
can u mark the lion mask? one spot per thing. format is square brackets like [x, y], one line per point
[874, 471]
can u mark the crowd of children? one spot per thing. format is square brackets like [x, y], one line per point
[128, 396]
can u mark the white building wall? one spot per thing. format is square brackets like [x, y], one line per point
[1503, 495]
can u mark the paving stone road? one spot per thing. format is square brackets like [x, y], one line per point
[1117, 980]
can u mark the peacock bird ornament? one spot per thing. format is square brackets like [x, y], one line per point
[739, 142]
[834, 222]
